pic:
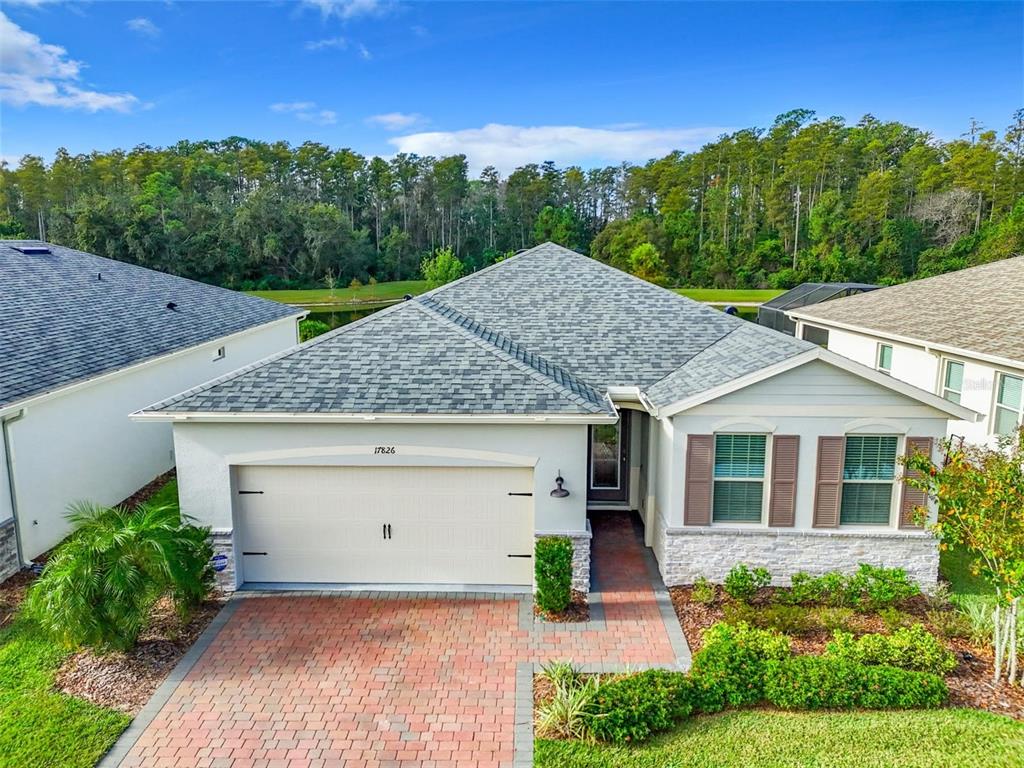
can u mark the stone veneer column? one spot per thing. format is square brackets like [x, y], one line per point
[580, 556]
[9, 564]
[222, 541]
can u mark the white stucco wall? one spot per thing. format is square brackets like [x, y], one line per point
[80, 444]
[924, 368]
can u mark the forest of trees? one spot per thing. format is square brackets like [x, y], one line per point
[806, 199]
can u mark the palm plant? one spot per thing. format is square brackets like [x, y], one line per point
[98, 587]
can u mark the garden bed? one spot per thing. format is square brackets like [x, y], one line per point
[577, 611]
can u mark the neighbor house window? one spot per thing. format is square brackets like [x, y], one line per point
[739, 478]
[815, 335]
[1009, 404]
[953, 381]
[884, 363]
[869, 474]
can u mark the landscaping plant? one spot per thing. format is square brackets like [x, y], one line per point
[742, 583]
[907, 648]
[564, 715]
[873, 588]
[832, 619]
[787, 619]
[99, 585]
[980, 494]
[704, 591]
[733, 658]
[553, 573]
[633, 707]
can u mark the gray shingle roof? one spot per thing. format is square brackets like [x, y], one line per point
[976, 309]
[545, 332]
[60, 323]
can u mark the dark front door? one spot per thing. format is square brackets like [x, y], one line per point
[608, 461]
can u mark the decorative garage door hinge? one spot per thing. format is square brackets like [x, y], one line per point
[241, 492]
[513, 493]
[254, 553]
[520, 555]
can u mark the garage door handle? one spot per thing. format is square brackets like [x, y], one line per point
[520, 555]
[512, 493]
[254, 553]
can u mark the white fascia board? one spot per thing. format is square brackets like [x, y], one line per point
[134, 367]
[363, 418]
[928, 346]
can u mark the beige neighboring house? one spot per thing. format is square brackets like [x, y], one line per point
[959, 335]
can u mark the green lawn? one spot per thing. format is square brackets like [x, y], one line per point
[366, 294]
[166, 496]
[38, 727]
[760, 739]
[729, 295]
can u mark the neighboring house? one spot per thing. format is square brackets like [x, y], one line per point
[774, 313]
[84, 342]
[428, 443]
[959, 335]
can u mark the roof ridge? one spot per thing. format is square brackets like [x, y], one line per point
[505, 347]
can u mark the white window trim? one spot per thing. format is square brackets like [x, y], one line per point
[894, 500]
[996, 405]
[764, 480]
[878, 358]
[943, 370]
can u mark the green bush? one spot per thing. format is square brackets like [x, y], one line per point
[704, 591]
[564, 715]
[631, 708]
[908, 648]
[731, 663]
[827, 682]
[787, 619]
[310, 329]
[553, 572]
[979, 612]
[894, 618]
[99, 585]
[831, 619]
[950, 624]
[803, 589]
[832, 589]
[872, 588]
[742, 583]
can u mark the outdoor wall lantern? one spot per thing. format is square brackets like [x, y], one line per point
[559, 492]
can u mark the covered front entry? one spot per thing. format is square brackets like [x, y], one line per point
[608, 462]
[391, 525]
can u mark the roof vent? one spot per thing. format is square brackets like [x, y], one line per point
[32, 250]
[171, 306]
[407, 297]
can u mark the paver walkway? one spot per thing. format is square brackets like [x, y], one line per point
[405, 681]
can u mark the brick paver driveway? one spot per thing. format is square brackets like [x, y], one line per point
[394, 681]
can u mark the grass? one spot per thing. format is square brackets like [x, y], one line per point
[39, 727]
[166, 496]
[955, 565]
[729, 295]
[760, 739]
[365, 294]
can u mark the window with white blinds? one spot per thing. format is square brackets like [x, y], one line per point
[1009, 411]
[738, 495]
[953, 381]
[869, 473]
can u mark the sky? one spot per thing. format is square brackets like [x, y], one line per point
[503, 83]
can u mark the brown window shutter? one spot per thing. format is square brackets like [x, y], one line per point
[913, 497]
[782, 501]
[828, 486]
[700, 460]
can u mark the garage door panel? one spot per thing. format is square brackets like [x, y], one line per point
[454, 525]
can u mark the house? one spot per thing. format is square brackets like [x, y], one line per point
[84, 342]
[431, 442]
[959, 335]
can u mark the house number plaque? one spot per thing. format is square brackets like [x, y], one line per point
[384, 449]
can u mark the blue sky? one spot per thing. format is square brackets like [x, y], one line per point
[504, 83]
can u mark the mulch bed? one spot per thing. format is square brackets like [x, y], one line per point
[12, 593]
[578, 610]
[145, 493]
[125, 681]
[970, 684]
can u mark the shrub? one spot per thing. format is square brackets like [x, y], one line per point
[832, 619]
[310, 329]
[908, 648]
[632, 708]
[950, 623]
[872, 588]
[99, 585]
[731, 663]
[803, 589]
[832, 589]
[704, 591]
[893, 618]
[742, 583]
[787, 619]
[553, 572]
[564, 716]
[827, 682]
[979, 611]
[938, 598]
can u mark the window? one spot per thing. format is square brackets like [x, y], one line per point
[884, 362]
[739, 478]
[815, 335]
[1009, 404]
[953, 381]
[218, 354]
[869, 474]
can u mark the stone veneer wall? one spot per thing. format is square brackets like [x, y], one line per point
[684, 554]
[580, 556]
[221, 541]
[9, 564]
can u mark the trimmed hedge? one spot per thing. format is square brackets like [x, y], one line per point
[553, 572]
[731, 663]
[908, 648]
[825, 682]
[632, 708]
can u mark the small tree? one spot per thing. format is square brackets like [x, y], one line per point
[442, 268]
[330, 281]
[980, 492]
[646, 263]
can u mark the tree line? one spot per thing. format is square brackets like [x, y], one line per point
[805, 199]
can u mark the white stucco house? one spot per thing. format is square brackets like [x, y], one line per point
[430, 443]
[959, 335]
[84, 342]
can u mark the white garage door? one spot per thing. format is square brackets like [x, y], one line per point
[395, 525]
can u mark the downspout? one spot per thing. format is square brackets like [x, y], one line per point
[5, 423]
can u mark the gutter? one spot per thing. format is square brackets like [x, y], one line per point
[5, 423]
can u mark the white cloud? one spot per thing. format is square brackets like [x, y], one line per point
[331, 42]
[34, 72]
[364, 52]
[509, 146]
[396, 121]
[307, 111]
[349, 9]
[143, 26]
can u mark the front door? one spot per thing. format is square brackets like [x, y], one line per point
[608, 462]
